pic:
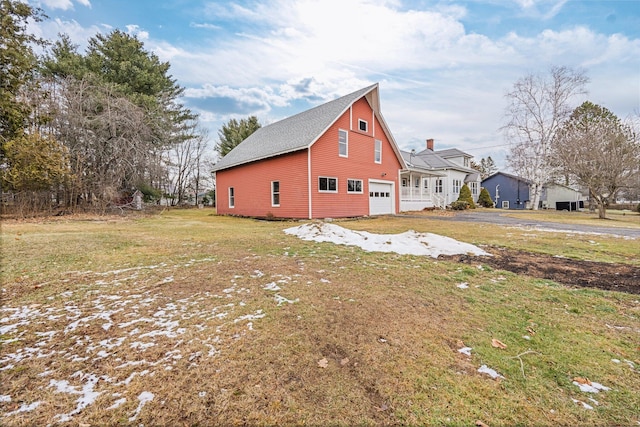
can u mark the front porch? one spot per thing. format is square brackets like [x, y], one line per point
[417, 192]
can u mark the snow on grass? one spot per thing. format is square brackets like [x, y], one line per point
[591, 387]
[97, 327]
[491, 372]
[407, 243]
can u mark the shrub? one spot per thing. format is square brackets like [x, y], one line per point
[465, 196]
[460, 205]
[638, 208]
[150, 194]
[484, 199]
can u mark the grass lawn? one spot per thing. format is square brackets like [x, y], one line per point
[615, 218]
[188, 318]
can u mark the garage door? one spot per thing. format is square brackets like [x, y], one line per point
[380, 198]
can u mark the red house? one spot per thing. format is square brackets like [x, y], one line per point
[338, 159]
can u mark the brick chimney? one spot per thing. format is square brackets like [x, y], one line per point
[430, 144]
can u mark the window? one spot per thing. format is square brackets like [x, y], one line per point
[439, 185]
[474, 189]
[405, 182]
[425, 183]
[275, 193]
[505, 204]
[232, 197]
[377, 157]
[362, 125]
[342, 143]
[456, 186]
[416, 183]
[327, 185]
[466, 161]
[354, 186]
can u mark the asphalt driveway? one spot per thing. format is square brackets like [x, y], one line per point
[495, 217]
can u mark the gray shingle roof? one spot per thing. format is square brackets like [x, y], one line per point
[294, 133]
[452, 152]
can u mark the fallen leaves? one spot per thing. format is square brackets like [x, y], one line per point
[498, 344]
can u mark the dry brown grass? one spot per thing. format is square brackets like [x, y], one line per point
[388, 326]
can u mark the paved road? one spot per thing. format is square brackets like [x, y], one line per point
[500, 218]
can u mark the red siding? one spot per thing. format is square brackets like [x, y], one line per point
[252, 182]
[359, 164]
[252, 186]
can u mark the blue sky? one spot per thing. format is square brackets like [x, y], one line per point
[443, 66]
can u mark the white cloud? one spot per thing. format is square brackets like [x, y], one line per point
[63, 4]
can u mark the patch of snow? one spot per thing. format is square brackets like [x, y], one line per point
[5, 398]
[407, 243]
[492, 373]
[465, 350]
[117, 403]
[271, 287]
[591, 388]
[584, 405]
[463, 285]
[281, 300]
[24, 408]
[144, 397]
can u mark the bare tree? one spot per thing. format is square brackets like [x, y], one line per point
[600, 151]
[537, 106]
[107, 138]
[185, 161]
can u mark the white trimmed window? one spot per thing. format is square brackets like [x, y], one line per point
[343, 143]
[354, 186]
[439, 185]
[377, 157]
[363, 126]
[474, 189]
[505, 204]
[456, 186]
[425, 183]
[232, 197]
[275, 193]
[327, 184]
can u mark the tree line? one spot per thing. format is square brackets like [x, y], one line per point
[587, 146]
[88, 129]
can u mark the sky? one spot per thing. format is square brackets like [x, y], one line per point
[443, 67]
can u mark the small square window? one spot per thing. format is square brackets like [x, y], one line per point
[363, 126]
[354, 186]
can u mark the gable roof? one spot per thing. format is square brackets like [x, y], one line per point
[300, 131]
[508, 175]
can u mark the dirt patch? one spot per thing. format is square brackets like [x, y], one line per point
[589, 274]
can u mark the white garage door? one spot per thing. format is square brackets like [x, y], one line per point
[380, 198]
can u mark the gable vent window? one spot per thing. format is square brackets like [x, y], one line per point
[377, 157]
[363, 126]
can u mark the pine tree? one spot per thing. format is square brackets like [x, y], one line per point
[484, 199]
[465, 196]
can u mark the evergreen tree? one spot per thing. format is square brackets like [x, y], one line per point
[465, 196]
[484, 199]
[234, 132]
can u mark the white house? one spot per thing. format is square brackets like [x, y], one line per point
[434, 178]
